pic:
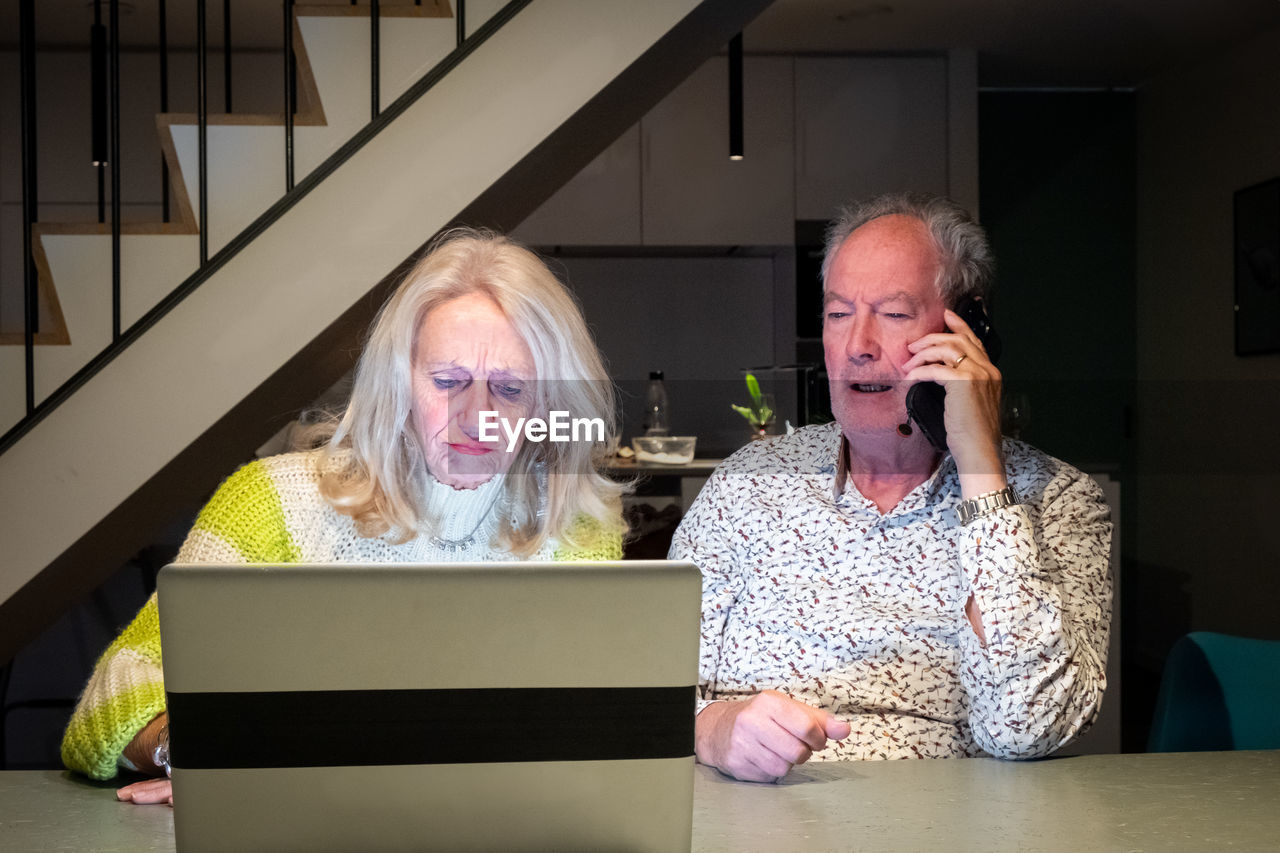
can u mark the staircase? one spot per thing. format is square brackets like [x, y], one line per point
[246, 176]
[278, 313]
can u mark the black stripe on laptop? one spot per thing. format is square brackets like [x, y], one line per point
[343, 728]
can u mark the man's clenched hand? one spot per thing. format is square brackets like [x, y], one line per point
[761, 738]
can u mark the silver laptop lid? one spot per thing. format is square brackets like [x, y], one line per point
[408, 707]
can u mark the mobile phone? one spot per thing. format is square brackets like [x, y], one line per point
[926, 400]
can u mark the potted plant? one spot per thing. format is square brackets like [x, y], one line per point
[760, 413]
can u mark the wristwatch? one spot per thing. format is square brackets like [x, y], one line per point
[971, 508]
[161, 755]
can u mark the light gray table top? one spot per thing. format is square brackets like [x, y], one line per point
[57, 810]
[1196, 801]
[1190, 801]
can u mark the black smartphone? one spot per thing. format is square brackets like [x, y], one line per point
[925, 400]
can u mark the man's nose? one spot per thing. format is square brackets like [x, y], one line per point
[862, 344]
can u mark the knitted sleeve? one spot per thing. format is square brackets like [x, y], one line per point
[590, 541]
[125, 691]
[243, 522]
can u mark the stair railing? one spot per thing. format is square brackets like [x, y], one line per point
[293, 191]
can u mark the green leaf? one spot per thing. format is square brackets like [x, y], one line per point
[753, 388]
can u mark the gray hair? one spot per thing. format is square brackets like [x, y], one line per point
[966, 263]
[372, 458]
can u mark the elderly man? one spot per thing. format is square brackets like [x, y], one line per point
[870, 596]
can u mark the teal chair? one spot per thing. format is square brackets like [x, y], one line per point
[1218, 692]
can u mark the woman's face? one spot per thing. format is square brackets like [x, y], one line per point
[469, 359]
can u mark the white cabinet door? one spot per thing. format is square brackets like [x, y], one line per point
[693, 194]
[867, 125]
[599, 206]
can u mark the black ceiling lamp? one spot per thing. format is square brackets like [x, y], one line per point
[98, 85]
[735, 97]
[98, 104]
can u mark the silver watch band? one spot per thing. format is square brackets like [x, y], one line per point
[971, 508]
[160, 757]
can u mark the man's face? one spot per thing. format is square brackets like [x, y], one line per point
[881, 295]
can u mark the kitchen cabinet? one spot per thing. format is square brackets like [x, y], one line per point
[819, 132]
[692, 193]
[867, 125]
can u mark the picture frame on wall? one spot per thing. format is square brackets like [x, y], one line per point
[1257, 268]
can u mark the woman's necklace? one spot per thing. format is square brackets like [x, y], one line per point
[456, 545]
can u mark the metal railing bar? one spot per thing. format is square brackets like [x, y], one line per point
[115, 169]
[226, 55]
[289, 95]
[202, 132]
[164, 106]
[460, 12]
[263, 222]
[375, 47]
[30, 196]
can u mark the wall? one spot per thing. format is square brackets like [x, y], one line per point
[1057, 176]
[1206, 555]
[1058, 201]
[698, 319]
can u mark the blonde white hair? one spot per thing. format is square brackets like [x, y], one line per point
[373, 461]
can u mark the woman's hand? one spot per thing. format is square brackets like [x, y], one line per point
[147, 791]
[141, 753]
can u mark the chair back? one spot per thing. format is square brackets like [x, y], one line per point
[1218, 692]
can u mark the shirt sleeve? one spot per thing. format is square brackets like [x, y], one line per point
[705, 538]
[1040, 574]
[242, 523]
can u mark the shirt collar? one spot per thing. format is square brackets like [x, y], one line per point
[941, 480]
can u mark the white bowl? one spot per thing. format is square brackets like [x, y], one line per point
[664, 449]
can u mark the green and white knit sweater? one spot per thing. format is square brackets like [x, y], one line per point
[271, 511]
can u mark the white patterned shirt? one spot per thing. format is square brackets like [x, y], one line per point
[808, 589]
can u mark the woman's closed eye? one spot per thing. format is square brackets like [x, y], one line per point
[450, 383]
[507, 390]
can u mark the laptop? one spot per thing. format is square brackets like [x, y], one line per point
[478, 706]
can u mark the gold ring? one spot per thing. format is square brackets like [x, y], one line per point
[956, 363]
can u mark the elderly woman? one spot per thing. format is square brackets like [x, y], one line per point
[406, 474]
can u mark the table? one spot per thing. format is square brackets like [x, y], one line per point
[1158, 802]
[660, 478]
[626, 468]
[57, 810]
[1191, 801]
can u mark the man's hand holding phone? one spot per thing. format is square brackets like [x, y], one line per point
[958, 361]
